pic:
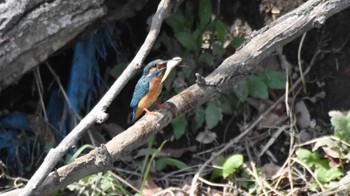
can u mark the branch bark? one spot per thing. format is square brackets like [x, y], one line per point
[97, 114]
[288, 27]
[32, 30]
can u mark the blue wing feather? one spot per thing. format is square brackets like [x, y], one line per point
[141, 90]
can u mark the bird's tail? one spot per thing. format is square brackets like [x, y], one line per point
[133, 114]
[136, 113]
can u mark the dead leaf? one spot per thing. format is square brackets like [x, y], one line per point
[218, 159]
[331, 153]
[206, 137]
[333, 163]
[270, 62]
[280, 109]
[270, 169]
[151, 188]
[257, 104]
[186, 188]
[41, 129]
[303, 115]
[305, 135]
[333, 157]
[270, 120]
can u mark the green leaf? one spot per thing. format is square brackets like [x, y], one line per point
[79, 151]
[341, 124]
[242, 91]
[257, 87]
[179, 126]
[216, 173]
[314, 187]
[220, 30]
[212, 115]
[275, 79]
[207, 58]
[331, 185]
[189, 14]
[326, 141]
[309, 158]
[199, 118]
[148, 167]
[204, 13]
[186, 40]
[228, 103]
[225, 105]
[237, 42]
[177, 22]
[218, 50]
[327, 175]
[232, 164]
[167, 41]
[162, 163]
[249, 182]
[190, 65]
[197, 38]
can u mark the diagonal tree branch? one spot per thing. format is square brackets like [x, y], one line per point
[231, 71]
[97, 114]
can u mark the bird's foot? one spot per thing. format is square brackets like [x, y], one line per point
[150, 112]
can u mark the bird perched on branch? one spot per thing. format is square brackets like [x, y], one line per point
[150, 85]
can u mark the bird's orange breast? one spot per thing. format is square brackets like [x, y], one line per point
[155, 88]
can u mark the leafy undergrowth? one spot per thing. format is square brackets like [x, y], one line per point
[252, 141]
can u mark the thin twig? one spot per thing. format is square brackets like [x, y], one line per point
[285, 66]
[232, 70]
[272, 140]
[170, 190]
[213, 184]
[65, 96]
[310, 171]
[254, 173]
[299, 61]
[232, 142]
[250, 128]
[97, 114]
[69, 103]
[292, 147]
[125, 182]
[40, 88]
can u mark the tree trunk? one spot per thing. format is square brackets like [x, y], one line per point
[32, 30]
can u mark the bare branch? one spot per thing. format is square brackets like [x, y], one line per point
[97, 114]
[230, 72]
[288, 27]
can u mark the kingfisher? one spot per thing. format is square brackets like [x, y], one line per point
[150, 85]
